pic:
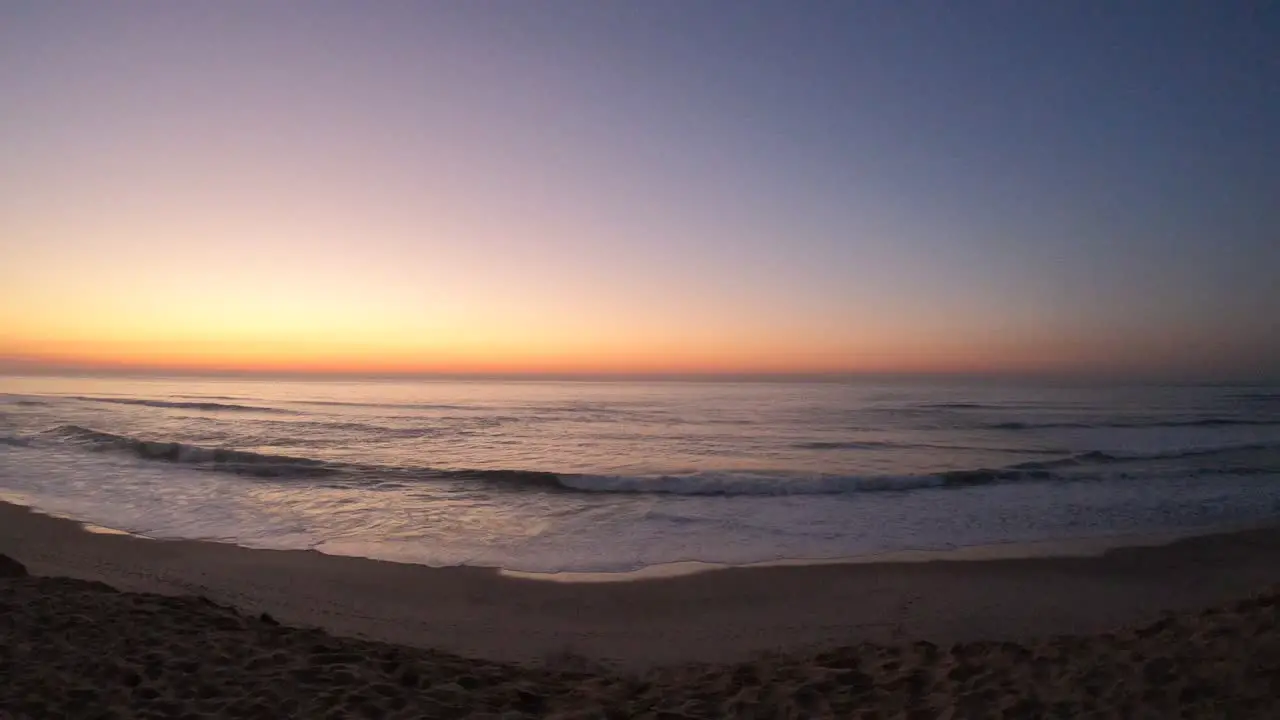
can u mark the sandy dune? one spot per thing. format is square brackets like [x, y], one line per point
[74, 648]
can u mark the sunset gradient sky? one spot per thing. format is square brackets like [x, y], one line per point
[649, 186]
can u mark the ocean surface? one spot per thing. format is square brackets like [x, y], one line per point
[615, 476]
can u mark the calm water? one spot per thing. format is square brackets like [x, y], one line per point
[547, 476]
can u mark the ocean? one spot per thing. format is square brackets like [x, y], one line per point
[541, 476]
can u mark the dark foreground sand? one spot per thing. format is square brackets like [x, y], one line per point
[979, 639]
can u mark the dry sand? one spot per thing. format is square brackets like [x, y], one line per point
[1012, 638]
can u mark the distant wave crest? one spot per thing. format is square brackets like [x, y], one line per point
[1193, 423]
[401, 406]
[888, 445]
[20, 400]
[736, 483]
[1097, 457]
[957, 406]
[1259, 397]
[849, 445]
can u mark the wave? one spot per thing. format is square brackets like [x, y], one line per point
[1260, 397]
[850, 445]
[723, 483]
[20, 400]
[292, 429]
[887, 445]
[703, 483]
[1199, 422]
[240, 462]
[957, 406]
[1098, 457]
[212, 406]
[264, 465]
[532, 479]
[400, 406]
[730, 483]
[734, 483]
[1081, 467]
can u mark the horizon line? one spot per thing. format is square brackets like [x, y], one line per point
[672, 376]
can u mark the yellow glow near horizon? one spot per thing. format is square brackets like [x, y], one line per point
[177, 339]
[330, 306]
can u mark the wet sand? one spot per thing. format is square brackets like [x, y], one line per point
[1123, 633]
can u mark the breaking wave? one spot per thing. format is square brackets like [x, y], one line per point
[212, 406]
[735, 483]
[241, 462]
[264, 465]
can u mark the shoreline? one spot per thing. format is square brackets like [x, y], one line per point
[1081, 547]
[1074, 547]
[730, 615]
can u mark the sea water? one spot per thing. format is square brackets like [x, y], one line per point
[544, 476]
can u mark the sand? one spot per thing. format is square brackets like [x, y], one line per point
[174, 629]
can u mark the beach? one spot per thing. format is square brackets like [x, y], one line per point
[142, 626]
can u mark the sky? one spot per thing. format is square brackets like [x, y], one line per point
[717, 186]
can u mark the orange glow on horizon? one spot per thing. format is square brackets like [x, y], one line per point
[318, 358]
[307, 333]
